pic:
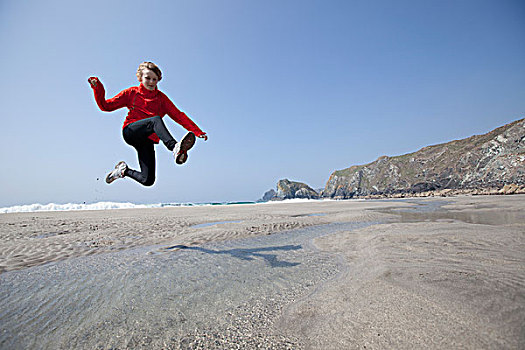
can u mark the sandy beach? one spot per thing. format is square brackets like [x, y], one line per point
[29, 239]
[439, 273]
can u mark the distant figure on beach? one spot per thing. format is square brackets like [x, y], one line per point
[143, 126]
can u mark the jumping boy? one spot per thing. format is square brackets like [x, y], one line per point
[143, 126]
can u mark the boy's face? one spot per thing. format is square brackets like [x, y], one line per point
[149, 79]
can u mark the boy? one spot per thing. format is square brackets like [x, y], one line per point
[143, 126]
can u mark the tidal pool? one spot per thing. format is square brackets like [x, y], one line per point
[434, 211]
[166, 296]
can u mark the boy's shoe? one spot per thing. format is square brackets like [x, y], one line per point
[180, 152]
[118, 173]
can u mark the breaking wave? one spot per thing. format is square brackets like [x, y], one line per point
[37, 207]
[100, 206]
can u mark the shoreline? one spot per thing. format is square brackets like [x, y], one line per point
[34, 238]
[506, 190]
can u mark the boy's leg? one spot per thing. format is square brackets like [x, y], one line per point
[146, 155]
[141, 129]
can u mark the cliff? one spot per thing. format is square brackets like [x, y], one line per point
[494, 160]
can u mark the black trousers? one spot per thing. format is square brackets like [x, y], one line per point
[136, 134]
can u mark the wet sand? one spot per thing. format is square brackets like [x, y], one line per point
[448, 274]
[31, 239]
[441, 280]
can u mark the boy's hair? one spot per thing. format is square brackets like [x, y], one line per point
[151, 66]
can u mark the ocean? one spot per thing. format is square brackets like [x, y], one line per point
[37, 207]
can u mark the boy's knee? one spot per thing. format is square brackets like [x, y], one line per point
[146, 180]
[149, 181]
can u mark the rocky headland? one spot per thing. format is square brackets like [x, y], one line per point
[287, 189]
[492, 163]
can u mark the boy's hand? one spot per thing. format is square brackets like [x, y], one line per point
[203, 136]
[93, 81]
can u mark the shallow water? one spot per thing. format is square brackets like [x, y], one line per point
[212, 295]
[164, 296]
[433, 211]
[206, 224]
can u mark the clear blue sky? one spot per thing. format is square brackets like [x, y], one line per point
[284, 89]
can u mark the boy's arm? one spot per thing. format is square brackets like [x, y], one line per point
[119, 101]
[182, 118]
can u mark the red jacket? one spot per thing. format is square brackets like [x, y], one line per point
[143, 103]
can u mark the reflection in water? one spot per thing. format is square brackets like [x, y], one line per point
[484, 218]
[433, 211]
